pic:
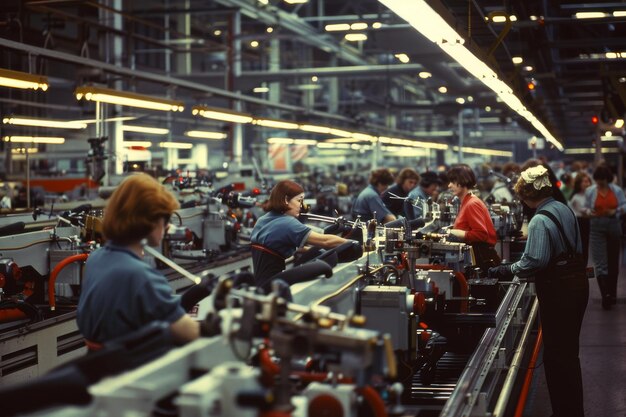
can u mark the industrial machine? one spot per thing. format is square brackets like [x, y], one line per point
[400, 331]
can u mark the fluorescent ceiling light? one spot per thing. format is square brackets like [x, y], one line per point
[324, 145]
[404, 58]
[34, 139]
[315, 129]
[260, 89]
[590, 15]
[24, 150]
[363, 136]
[282, 141]
[219, 114]
[430, 24]
[276, 124]
[619, 13]
[340, 133]
[517, 60]
[254, 44]
[110, 119]
[412, 143]
[358, 26]
[264, 1]
[304, 142]
[578, 151]
[23, 80]
[343, 140]
[176, 145]
[425, 74]
[337, 27]
[203, 134]
[498, 19]
[296, 1]
[355, 37]
[482, 151]
[145, 129]
[443, 89]
[610, 138]
[460, 100]
[619, 123]
[55, 124]
[123, 98]
[377, 25]
[141, 143]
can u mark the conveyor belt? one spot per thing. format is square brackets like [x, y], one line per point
[447, 373]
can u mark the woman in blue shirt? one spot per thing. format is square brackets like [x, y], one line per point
[278, 234]
[121, 293]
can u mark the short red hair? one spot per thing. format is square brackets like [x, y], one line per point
[134, 209]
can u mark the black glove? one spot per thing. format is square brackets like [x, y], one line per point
[198, 292]
[500, 271]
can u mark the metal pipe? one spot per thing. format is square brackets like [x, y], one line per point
[171, 264]
[507, 387]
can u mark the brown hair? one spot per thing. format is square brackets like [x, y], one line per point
[578, 182]
[462, 175]
[527, 191]
[381, 176]
[135, 207]
[405, 174]
[284, 190]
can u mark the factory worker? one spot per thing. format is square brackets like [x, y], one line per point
[473, 223]
[369, 202]
[278, 234]
[121, 293]
[553, 256]
[406, 181]
[428, 187]
[605, 203]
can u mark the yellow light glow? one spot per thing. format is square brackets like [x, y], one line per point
[176, 145]
[517, 60]
[55, 124]
[619, 123]
[590, 15]
[483, 151]
[340, 133]
[315, 129]
[337, 27]
[145, 129]
[218, 114]
[23, 80]
[425, 74]
[282, 141]
[377, 25]
[142, 143]
[404, 58]
[123, 98]
[24, 150]
[203, 134]
[355, 37]
[275, 124]
[35, 139]
[358, 26]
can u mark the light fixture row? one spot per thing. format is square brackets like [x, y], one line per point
[235, 117]
[429, 23]
[22, 80]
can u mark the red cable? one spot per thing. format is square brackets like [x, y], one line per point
[521, 403]
[55, 272]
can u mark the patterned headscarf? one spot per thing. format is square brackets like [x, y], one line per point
[537, 176]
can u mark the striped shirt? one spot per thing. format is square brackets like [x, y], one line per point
[544, 241]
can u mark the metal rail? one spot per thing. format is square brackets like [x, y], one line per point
[465, 396]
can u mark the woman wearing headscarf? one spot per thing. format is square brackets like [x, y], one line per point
[553, 256]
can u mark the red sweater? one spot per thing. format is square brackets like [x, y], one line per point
[474, 219]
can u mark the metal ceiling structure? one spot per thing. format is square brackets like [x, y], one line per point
[274, 59]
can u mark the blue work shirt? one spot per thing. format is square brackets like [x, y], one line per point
[544, 240]
[121, 294]
[416, 211]
[282, 233]
[368, 202]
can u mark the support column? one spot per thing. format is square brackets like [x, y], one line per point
[235, 73]
[183, 25]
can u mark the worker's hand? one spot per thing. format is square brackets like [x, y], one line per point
[457, 233]
[500, 271]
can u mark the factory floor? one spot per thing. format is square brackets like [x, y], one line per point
[602, 357]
